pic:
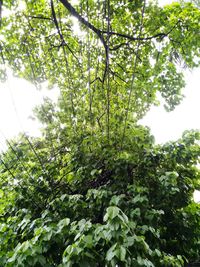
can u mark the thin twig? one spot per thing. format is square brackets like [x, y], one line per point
[38, 17]
[133, 76]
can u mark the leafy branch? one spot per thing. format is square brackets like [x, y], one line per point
[63, 43]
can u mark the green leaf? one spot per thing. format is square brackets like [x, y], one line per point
[111, 253]
[111, 213]
[122, 253]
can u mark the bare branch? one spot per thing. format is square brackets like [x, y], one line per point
[74, 13]
[63, 43]
[39, 17]
[118, 46]
[126, 36]
[98, 32]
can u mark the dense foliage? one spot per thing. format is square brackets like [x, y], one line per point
[94, 189]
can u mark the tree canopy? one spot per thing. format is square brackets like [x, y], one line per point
[94, 189]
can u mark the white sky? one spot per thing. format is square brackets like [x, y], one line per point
[167, 126]
[18, 97]
[165, 2]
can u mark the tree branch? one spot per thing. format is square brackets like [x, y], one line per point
[118, 46]
[162, 35]
[98, 32]
[39, 17]
[74, 13]
[63, 43]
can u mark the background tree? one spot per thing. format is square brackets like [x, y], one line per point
[94, 189]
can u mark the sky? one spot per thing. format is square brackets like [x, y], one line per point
[167, 126]
[18, 97]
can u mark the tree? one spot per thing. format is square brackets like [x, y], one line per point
[95, 190]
